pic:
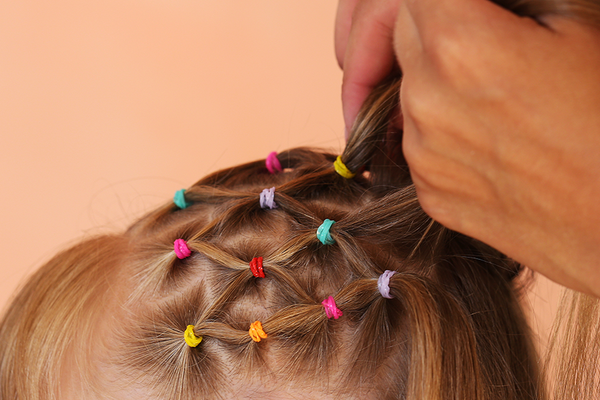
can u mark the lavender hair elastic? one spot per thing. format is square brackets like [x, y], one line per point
[383, 283]
[267, 198]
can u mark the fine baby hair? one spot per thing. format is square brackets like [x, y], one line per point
[305, 275]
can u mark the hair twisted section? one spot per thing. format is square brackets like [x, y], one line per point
[452, 330]
[431, 341]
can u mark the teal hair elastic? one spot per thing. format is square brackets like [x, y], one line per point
[323, 232]
[179, 199]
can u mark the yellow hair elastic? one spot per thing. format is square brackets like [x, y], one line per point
[190, 337]
[341, 168]
[256, 331]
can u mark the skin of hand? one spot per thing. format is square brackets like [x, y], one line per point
[501, 127]
[363, 46]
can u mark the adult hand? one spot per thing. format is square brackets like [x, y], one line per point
[501, 122]
[502, 131]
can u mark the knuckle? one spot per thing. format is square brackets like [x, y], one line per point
[413, 151]
[450, 54]
[417, 103]
[445, 51]
[431, 181]
[433, 204]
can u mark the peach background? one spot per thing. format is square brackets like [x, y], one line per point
[107, 107]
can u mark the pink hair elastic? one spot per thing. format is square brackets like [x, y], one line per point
[331, 308]
[272, 163]
[267, 198]
[181, 249]
[383, 284]
[256, 266]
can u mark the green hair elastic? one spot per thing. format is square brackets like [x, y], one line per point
[179, 199]
[323, 232]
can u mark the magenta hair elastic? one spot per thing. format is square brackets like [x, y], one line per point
[267, 198]
[383, 283]
[272, 163]
[331, 308]
[181, 249]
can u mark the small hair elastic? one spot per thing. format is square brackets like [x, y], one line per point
[179, 199]
[331, 308]
[190, 337]
[272, 163]
[256, 331]
[341, 168]
[323, 232]
[383, 283]
[181, 249]
[256, 266]
[267, 198]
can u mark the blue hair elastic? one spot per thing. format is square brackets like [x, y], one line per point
[179, 199]
[323, 232]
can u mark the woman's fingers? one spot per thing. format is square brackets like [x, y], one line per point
[367, 50]
[343, 24]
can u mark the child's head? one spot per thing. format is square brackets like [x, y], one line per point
[111, 317]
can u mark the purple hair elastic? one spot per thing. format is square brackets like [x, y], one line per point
[383, 283]
[181, 249]
[267, 198]
[272, 163]
[331, 308]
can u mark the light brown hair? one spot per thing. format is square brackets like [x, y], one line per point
[454, 328]
[107, 316]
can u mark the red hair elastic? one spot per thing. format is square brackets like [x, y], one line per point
[272, 163]
[181, 249]
[256, 267]
[331, 308]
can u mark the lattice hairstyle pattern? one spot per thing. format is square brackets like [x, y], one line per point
[201, 271]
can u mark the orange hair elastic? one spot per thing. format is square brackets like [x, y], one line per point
[256, 331]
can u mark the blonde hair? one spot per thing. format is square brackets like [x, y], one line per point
[52, 315]
[116, 307]
[454, 327]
